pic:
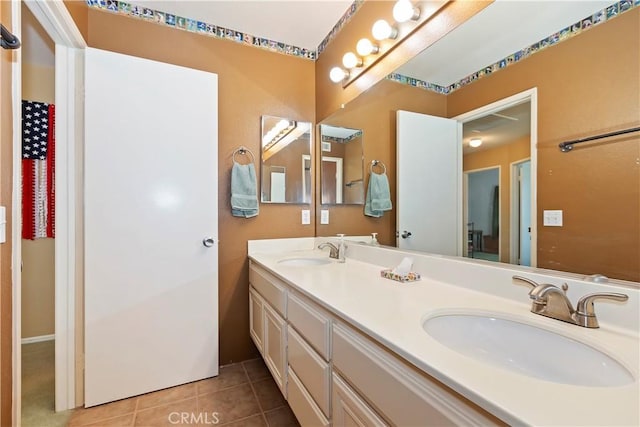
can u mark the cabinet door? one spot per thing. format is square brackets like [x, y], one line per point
[275, 346]
[349, 409]
[256, 328]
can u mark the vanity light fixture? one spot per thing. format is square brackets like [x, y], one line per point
[475, 142]
[337, 74]
[350, 60]
[404, 11]
[382, 30]
[365, 47]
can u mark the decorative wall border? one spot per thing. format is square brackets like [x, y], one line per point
[584, 24]
[206, 29]
[341, 23]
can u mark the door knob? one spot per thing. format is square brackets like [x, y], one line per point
[208, 241]
[405, 234]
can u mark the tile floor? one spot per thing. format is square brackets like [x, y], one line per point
[242, 395]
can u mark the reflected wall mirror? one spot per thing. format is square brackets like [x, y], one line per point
[286, 161]
[341, 170]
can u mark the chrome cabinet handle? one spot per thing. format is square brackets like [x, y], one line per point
[208, 241]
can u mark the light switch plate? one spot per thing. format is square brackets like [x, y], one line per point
[552, 218]
[306, 217]
[324, 216]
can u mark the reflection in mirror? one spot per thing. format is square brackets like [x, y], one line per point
[342, 166]
[286, 161]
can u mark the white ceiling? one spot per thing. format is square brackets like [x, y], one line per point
[499, 30]
[301, 23]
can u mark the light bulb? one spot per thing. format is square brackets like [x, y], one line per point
[382, 30]
[365, 47]
[475, 142]
[350, 60]
[337, 74]
[404, 11]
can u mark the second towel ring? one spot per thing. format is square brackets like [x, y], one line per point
[244, 151]
[378, 163]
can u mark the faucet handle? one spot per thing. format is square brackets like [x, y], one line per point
[585, 311]
[525, 280]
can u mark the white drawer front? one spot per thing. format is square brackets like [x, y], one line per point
[302, 404]
[269, 287]
[349, 409]
[312, 324]
[403, 395]
[311, 369]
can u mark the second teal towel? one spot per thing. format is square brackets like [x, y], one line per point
[378, 198]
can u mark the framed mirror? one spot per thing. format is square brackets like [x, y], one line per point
[285, 161]
[341, 171]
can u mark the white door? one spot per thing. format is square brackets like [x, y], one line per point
[525, 213]
[151, 283]
[429, 189]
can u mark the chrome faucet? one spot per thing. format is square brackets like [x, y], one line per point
[551, 301]
[333, 250]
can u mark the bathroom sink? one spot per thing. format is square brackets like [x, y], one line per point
[303, 262]
[527, 350]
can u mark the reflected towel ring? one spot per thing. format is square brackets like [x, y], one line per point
[244, 151]
[378, 163]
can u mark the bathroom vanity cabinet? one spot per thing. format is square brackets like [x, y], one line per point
[332, 373]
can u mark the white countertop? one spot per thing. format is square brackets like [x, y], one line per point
[393, 313]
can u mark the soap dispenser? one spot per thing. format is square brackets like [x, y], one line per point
[374, 239]
[341, 249]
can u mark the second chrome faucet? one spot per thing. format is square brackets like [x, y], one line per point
[551, 301]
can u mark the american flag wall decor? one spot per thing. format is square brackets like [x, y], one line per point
[38, 170]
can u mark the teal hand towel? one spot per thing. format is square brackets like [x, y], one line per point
[244, 191]
[378, 197]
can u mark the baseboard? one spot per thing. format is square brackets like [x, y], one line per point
[40, 338]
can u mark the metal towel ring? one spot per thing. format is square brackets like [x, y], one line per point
[378, 163]
[244, 151]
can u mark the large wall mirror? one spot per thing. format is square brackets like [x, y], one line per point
[286, 161]
[591, 184]
[341, 171]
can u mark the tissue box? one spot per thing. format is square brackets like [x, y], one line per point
[409, 277]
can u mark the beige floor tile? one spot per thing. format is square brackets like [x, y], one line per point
[256, 369]
[229, 376]
[268, 394]
[281, 417]
[122, 421]
[231, 404]
[84, 416]
[171, 414]
[168, 395]
[254, 421]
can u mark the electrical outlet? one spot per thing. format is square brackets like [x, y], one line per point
[552, 218]
[306, 217]
[324, 216]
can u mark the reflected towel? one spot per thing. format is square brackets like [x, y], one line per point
[244, 191]
[378, 197]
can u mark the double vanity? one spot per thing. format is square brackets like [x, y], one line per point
[458, 347]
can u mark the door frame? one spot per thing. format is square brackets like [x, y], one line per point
[529, 95]
[465, 205]
[514, 222]
[69, 83]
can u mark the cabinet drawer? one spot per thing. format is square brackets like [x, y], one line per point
[402, 393]
[349, 409]
[312, 324]
[269, 287]
[302, 404]
[311, 370]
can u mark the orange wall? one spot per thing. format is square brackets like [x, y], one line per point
[252, 83]
[503, 157]
[587, 85]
